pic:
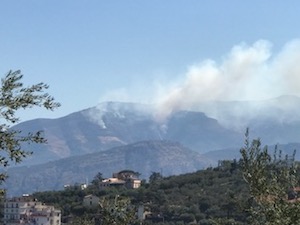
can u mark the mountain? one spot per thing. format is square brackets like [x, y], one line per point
[218, 125]
[234, 153]
[168, 158]
[115, 124]
[113, 130]
[275, 121]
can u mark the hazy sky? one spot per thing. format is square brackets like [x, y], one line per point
[91, 51]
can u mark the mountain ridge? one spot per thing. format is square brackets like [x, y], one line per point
[113, 125]
[145, 157]
[120, 124]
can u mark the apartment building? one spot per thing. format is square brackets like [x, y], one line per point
[26, 210]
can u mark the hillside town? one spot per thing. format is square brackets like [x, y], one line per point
[27, 210]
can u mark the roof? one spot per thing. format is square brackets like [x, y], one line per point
[113, 181]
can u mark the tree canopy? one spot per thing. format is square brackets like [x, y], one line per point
[259, 188]
[270, 179]
[13, 98]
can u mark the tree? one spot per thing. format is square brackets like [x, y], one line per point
[270, 178]
[97, 179]
[117, 211]
[13, 98]
[155, 177]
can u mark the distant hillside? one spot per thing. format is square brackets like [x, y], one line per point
[274, 120]
[145, 157]
[234, 153]
[115, 124]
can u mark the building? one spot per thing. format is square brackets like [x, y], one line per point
[91, 201]
[26, 210]
[125, 178]
[133, 183]
[111, 182]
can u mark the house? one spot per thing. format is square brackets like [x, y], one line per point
[133, 183]
[83, 186]
[28, 211]
[125, 178]
[91, 201]
[111, 182]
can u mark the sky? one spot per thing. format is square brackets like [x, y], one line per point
[175, 53]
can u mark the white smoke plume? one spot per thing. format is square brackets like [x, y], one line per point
[248, 72]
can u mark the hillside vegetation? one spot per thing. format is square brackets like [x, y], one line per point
[203, 196]
[144, 157]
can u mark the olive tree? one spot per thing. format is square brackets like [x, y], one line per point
[14, 97]
[117, 211]
[270, 177]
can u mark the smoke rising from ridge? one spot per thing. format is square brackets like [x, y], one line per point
[248, 72]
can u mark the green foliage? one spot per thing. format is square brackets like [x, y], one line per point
[155, 177]
[206, 195]
[83, 221]
[97, 179]
[270, 179]
[253, 190]
[117, 211]
[13, 98]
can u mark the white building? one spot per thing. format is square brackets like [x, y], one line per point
[28, 211]
[91, 201]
